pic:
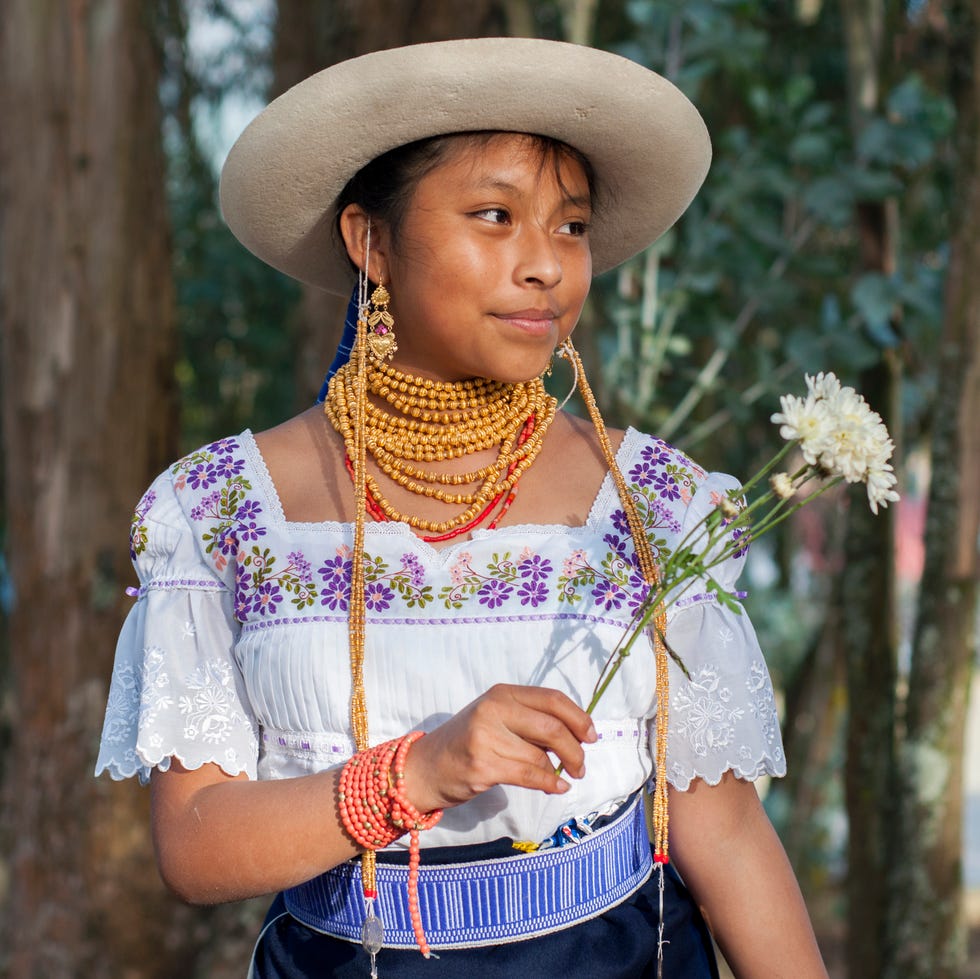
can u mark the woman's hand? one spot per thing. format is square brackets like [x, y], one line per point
[502, 738]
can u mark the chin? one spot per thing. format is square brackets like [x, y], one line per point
[518, 374]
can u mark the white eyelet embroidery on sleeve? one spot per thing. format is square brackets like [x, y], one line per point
[209, 714]
[703, 713]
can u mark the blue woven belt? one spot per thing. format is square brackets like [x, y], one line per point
[488, 901]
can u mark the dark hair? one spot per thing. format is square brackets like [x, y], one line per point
[385, 186]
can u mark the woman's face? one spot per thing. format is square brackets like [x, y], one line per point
[491, 265]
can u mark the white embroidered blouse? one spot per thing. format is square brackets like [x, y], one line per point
[236, 651]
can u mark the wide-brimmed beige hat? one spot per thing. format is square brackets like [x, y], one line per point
[647, 143]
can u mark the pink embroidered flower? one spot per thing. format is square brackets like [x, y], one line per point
[573, 563]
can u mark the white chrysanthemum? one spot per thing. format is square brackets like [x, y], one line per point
[881, 483]
[807, 422]
[839, 434]
[823, 385]
[782, 485]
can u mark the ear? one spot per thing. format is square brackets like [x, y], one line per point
[354, 223]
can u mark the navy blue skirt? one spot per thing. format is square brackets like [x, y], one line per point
[620, 944]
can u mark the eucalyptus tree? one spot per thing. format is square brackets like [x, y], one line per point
[88, 419]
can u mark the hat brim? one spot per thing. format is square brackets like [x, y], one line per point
[647, 143]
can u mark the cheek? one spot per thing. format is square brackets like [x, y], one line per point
[578, 277]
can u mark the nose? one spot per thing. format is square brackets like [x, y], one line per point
[538, 262]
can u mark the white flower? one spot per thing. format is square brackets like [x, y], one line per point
[881, 481]
[841, 436]
[807, 422]
[782, 485]
[823, 385]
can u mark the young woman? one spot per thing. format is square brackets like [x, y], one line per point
[438, 549]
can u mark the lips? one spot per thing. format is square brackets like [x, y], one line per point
[530, 314]
[535, 323]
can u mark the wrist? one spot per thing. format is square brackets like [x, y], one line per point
[373, 806]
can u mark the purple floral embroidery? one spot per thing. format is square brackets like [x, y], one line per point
[377, 596]
[335, 568]
[227, 466]
[607, 577]
[533, 593]
[494, 593]
[608, 594]
[414, 570]
[620, 524]
[655, 453]
[660, 516]
[737, 533]
[407, 580]
[644, 473]
[137, 527]
[249, 530]
[618, 544]
[665, 485]
[381, 582]
[265, 598]
[637, 590]
[303, 570]
[534, 567]
[223, 447]
[243, 600]
[228, 517]
[336, 573]
[260, 586]
[207, 506]
[336, 595]
[202, 476]
[248, 511]
[496, 584]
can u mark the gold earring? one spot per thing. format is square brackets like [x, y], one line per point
[381, 335]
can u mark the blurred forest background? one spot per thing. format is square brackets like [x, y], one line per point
[839, 229]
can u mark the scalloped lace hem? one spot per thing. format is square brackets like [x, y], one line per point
[767, 765]
[141, 763]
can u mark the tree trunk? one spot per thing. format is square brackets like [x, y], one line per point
[927, 940]
[868, 599]
[310, 36]
[88, 419]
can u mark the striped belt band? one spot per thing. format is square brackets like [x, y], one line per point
[487, 902]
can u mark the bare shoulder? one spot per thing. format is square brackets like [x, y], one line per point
[299, 433]
[305, 459]
[565, 480]
[571, 433]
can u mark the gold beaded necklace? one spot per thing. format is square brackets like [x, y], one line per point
[434, 412]
[408, 421]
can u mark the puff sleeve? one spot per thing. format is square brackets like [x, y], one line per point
[724, 717]
[176, 689]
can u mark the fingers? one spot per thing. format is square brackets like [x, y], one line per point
[531, 722]
[538, 734]
[556, 704]
[509, 736]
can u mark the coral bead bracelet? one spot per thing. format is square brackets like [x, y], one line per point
[375, 812]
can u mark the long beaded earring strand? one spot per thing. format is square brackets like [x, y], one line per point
[648, 567]
[372, 932]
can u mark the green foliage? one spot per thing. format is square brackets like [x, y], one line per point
[235, 365]
[762, 276]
